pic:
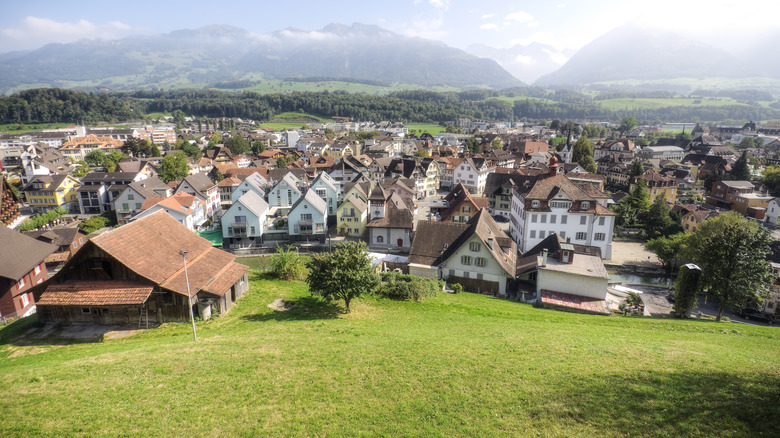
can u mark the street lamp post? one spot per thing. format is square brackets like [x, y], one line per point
[189, 296]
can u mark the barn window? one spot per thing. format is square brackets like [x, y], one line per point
[85, 310]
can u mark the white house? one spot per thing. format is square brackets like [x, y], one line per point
[285, 193]
[391, 222]
[188, 209]
[773, 211]
[477, 255]
[243, 222]
[200, 186]
[472, 173]
[326, 188]
[252, 183]
[557, 205]
[132, 198]
[308, 216]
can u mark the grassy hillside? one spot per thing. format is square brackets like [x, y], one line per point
[462, 365]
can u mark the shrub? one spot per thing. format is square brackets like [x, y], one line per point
[93, 224]
[407, 287]
[457, 288]
[287, 264]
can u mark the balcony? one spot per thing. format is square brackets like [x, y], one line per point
[239, 229]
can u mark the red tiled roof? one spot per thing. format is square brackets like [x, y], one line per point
[96, 293]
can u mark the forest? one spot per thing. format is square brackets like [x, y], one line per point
[53, 105]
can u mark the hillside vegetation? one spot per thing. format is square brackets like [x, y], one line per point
[455, 365]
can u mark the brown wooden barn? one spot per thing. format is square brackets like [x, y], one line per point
[135, 275]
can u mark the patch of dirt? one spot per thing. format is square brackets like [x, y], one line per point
[119, 334]
[281, 305]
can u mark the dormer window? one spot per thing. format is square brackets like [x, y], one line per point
[535, 204]
[585, 205]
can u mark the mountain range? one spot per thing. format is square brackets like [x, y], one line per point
[229, 57]
[223, 53]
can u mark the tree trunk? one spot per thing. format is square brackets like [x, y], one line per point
[346, 302]
[720, 312]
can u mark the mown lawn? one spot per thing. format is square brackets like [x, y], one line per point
[456, 365]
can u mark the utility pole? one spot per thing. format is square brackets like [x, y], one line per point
[189, 296]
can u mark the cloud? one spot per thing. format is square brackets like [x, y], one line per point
[520, 17]
[556, 57]
[561, 5]
[486, 16]
[534, 24]
[34, 32]
[428, 29]
[489, 26]
[525, 60]
[441, 4]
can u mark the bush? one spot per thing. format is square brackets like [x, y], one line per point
[93, 224]
[457, 288]
[42, 219]
[287, 264]
[407, 287]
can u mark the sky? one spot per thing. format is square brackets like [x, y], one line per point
[565, 25]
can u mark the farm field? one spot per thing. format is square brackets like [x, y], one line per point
[653, 103]
[454, 365]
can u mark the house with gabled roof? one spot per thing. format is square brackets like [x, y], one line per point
[243, 223]
[478, 254]
[352, 216]
[252, 183]
[135, 274]
[68, 241]
[132, 198]
[460, 205]
[202, 187]
[557, 205]
[308, 217]
[78, 147]
[391, 221]
[285, 193]
[328, 189]
[98, 190]
[22, 266]
[47, 192]
[187, 209]
[472, 173]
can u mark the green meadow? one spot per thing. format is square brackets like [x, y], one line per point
[454, 365]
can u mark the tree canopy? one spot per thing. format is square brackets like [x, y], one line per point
[174, 167]
[732, 254]
[740, 170]
[582, 153]
[344, 274]
[238, 145]
[627, 124]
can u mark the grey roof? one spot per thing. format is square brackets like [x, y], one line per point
[200, 182]
[253, 202]
[108, 177]
[146, 187]
[357, 202]
[21, 254]
[327, 180]
[60, 236]
[290, 180]
[316, 202]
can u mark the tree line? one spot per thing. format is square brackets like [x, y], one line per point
[53, 105]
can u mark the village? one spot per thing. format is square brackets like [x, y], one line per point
[492, 207]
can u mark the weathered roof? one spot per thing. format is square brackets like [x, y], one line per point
[201, 183]
[146, 187]
[150, 247]
[96, 293]
[397, 215]
[60, 236]
[20, 254]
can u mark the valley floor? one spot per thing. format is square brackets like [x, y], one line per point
[455, 365]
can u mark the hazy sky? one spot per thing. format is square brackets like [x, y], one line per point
[563, 24]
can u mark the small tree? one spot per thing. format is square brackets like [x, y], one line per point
[627, 124]
[669, 249]
[287, 264]
[344, 274]
[732, 254]
[686, 288]
[639, 199]
[238, 145]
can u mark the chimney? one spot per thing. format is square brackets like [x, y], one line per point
[553, 166]
[490, 242]
[544, 257]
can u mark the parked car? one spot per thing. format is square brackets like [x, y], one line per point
[755, 315]
[499, 218]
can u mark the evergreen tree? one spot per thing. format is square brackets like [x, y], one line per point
[740, 170]
[639, 199]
